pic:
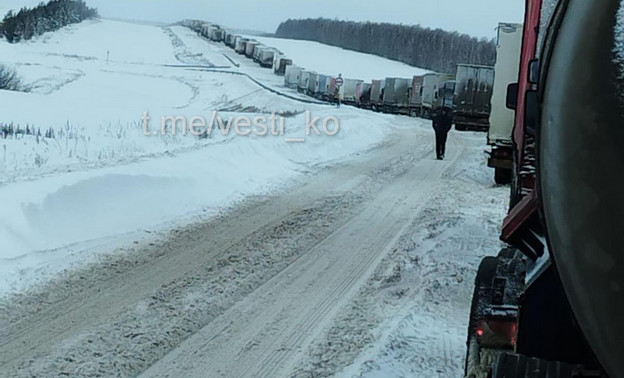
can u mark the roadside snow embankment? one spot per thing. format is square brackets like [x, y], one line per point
[63, 209]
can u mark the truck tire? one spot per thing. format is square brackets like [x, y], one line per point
[482, 289]
[502, 176]
[473, 359]
[483, 282]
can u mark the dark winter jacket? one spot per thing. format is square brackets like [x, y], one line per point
[443, 121]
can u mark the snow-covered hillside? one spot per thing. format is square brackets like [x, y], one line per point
[330, 60]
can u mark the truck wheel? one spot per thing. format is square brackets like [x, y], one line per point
[480, 298]
[483, 284]
[414, 113]
[502, 176]
[472, 358]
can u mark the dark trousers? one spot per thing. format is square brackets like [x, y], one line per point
[441, 138]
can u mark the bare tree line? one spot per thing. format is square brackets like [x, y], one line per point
[10, 81]
[433, 49]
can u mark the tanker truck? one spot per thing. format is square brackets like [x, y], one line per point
[551, 304]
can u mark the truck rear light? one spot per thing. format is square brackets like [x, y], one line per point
[497, 333]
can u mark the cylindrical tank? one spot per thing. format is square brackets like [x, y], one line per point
[581, 160]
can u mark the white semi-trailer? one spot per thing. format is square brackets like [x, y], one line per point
[397, 95]
[292, 76]
[304, 81]
[348, 91]
[501, 118]
[473, 97]
[265, 57]
[431, 100]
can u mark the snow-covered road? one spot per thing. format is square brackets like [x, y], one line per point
[287, 284]
[268, 332]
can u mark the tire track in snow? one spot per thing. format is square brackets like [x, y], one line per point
[119, 316]
[425, 333]
[283, 317]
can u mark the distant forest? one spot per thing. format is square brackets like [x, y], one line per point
[435, 50]
[28, 23]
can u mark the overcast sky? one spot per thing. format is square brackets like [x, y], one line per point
[474, 17]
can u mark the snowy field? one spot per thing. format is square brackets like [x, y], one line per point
[101, 176]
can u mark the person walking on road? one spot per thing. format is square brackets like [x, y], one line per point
[442, 123]
[337, 97]
[339, 83]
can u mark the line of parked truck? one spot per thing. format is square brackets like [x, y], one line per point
[265, 56]
[468, 93]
